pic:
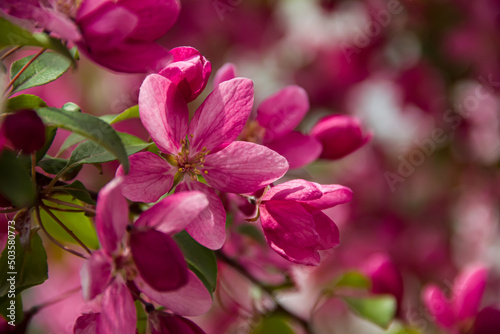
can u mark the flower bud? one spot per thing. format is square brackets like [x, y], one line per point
[189, 71]
[24, 130]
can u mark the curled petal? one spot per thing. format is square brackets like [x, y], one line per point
[222, 116]
[190, 300]
[173, 213]
[111, 215]
[118, 313]
[209, 227]
[225, 73]
[340, 135]
[87, 323]
[149, 177]
[294, 190]
[333, 194]
[244, 167]
[96, 274]
[290, 231]
[327, 230]
[164, 323]
[163, 112]
[439, 306]
[158, 259]
[385, 276]
[298, 149]
[282, 112]
[469, 289]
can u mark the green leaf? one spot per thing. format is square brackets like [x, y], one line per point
[377, 309]
[142, 317]
[15, 311]
[46, 68]
[200, 259]
[88, 126]
[91, 153]
[30, 267]
[132, 112]
[77, 222]
[50, 134]
[54, 165]
[25, 101]
[14, 35]
[71, 140]
[273, 325]
[79, 191]
[352, 279]
[15, 180]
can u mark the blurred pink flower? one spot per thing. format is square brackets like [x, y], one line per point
[292, 220]
[204, 146]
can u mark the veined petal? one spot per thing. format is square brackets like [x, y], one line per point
[243, 167]
[158, 259]
[469, 289]
[118, 313]
[87, 323]
[173, 213]
[333, 194]
[190, 300]
[96, 274]
[290, 231]
[225, 73]
[327, 230]
[294, 190]
[111, 215]
[297, 148]
[439, 306]
[222, 116]
[155, 17]
[163, 112]
[149, 177]
[209, 227]
[282, 112]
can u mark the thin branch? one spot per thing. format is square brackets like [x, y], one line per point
[76, 206]
[63, 210]
[22, 70]
[66, 229]
[69, 250]
[9, 210]
[279, 307]
[11, 51]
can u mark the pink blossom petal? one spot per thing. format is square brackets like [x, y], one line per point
[189, 71]
[282, 112]
[469, 289]
[156, 17]
[87, 323]
[107, 26]
[111, 216]
[298, 149]
[243, 167]
[439, 306]
[163, 112]
[487, 321]
[173, 213]
[290, 231]
[209, 228]
[190, 300]
[149, 177]
[57, 23]
[333, 194]
[225, 73]
[130, 56]
[340, 135]
[327, 230]
[164, 323]
[294, 190]
[222, 116]
[118, 313]
[385, 276]
[158, 259]
[96, 274]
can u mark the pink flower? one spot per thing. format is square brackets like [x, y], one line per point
[340, 135]
[164, 323]
[203, 147]
[277, 117]
[121, 35]
[149, 261]
[293, 223]
[462, 306]
[189, 71]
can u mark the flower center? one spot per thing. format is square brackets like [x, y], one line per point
[253, 132]
[68, 7]
[191, 165]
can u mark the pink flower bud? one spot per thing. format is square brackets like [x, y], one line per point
[189, 71]
[24, 130]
